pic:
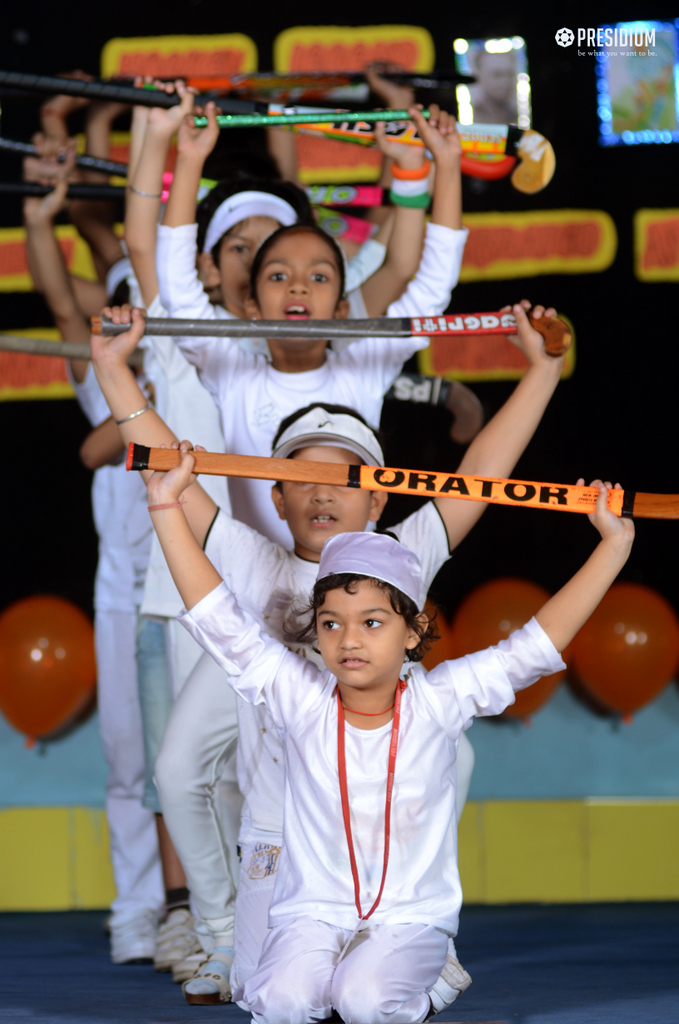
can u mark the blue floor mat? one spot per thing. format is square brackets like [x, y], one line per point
[593, 964]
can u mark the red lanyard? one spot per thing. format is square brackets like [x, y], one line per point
[342, 766]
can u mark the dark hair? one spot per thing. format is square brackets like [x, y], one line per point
[400, 602]
[272, 239]
[207, 207]
[120, 295]
[334, 410]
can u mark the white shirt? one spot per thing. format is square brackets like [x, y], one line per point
[274, 585]
[121, 519]
[253, 397]
[184, 405]
[314, 875]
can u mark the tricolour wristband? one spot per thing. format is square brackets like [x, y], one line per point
[420, 202]
[410, 188]
[411, 175]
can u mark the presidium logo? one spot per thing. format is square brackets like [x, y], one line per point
[632, 36]
[564, 37]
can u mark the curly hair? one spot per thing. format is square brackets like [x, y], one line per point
[400, 602]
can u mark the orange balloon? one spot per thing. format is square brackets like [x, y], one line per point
[47, 666]
[489, 614]
[628, 651]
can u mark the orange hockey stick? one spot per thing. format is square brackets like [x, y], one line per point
[492, 490]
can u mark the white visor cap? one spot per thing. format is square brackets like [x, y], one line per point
[374, 555]
[336, 430]
[246, 204]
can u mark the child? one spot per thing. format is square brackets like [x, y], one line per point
[252, 394]
[338, 726]
[124, 542]
[199, 733]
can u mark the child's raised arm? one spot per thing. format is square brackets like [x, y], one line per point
[47, 265]
[405, 236]
[192, 571]
[498, 447]
[440, 136]
[564, 614]
[152, 131]
[194, 145]
[125, 397]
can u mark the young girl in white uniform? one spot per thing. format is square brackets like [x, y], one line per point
[367, 893]
[252, 394]
[271, 582]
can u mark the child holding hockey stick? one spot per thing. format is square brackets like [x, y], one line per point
[270, 580]
[369, 756]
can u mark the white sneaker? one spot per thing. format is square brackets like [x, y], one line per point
[210, 984]
[175, 939]
[452, 982]
[133, 941]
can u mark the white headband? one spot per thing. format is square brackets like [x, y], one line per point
[246, 204]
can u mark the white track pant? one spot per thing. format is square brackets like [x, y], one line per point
[385, 976]
[132, 830]
[200, 739]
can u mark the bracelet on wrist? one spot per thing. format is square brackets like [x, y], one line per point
[169, 504]
[133, 415]
[418, 202]
[411, 175]
[146, 195]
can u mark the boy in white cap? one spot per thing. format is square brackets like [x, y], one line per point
[370, 753]
[272, 582]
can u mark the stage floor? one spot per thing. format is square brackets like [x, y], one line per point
[575, 964]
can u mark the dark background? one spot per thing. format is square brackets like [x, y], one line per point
[615, 418]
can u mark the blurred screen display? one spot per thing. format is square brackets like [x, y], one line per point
[637, 84]
[501, 92]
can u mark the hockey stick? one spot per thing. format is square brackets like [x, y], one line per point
[556, 332]
[146, 96]
[321, 81]
[493, 491]
[56, 349]
[31, 188]
[92, 163]
[489, 151]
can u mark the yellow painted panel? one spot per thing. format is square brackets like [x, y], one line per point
[633, 849]
[533, 851]
[93, 885]
[34, 858]
[470, 853]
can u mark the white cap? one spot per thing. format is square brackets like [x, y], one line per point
[374, 555]
[246, 204]
[336, 430]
